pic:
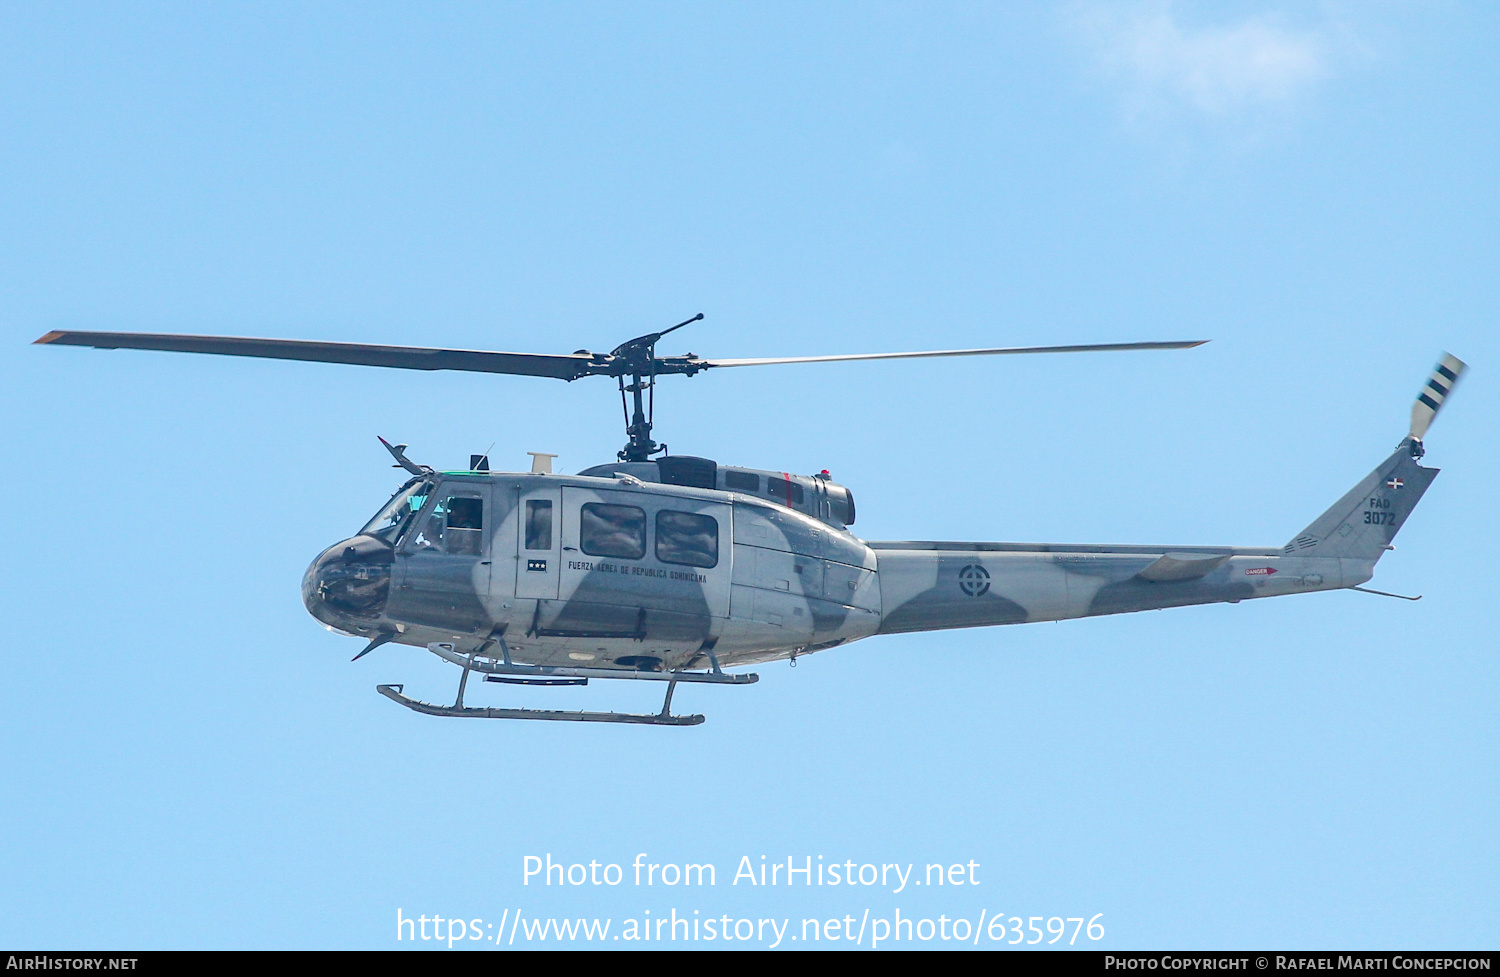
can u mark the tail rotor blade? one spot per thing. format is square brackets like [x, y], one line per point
[1441, 383]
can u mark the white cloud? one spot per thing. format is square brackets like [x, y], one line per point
[1214, 70]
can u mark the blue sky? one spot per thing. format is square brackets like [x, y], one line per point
[189, 760]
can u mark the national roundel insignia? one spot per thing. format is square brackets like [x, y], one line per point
[974, 580]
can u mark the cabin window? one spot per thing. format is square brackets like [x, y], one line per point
[687, 539]
[612, 530]
[538, 524]
[781, 490]
[742, 481]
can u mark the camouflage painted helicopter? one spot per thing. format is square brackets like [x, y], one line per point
[668, 568]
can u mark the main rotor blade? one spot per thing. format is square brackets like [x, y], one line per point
[563, 367]
[1005, 351]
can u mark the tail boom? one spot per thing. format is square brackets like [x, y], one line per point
[929, 586]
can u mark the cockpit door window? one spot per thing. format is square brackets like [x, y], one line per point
[454, 525]
[465, 531]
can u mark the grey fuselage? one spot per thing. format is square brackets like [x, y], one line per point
[617, 568]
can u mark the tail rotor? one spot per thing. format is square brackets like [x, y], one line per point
[1430, 400]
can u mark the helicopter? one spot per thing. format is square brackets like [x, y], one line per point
[672, 568]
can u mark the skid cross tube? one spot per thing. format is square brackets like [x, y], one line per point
[505, 670]
[445, 651]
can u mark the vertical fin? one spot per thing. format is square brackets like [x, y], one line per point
[1362, 524]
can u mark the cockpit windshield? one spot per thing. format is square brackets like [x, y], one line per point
[391, 521]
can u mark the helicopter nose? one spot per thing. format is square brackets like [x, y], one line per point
[349, 582]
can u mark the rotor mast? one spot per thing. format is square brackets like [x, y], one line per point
[637, 359]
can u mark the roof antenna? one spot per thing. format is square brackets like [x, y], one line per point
[481, 463]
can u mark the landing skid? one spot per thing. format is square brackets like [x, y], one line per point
[507, 671]
[662, 718]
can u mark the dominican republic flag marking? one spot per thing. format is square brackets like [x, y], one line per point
[1394, 483]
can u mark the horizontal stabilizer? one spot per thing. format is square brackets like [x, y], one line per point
[1183, 566]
